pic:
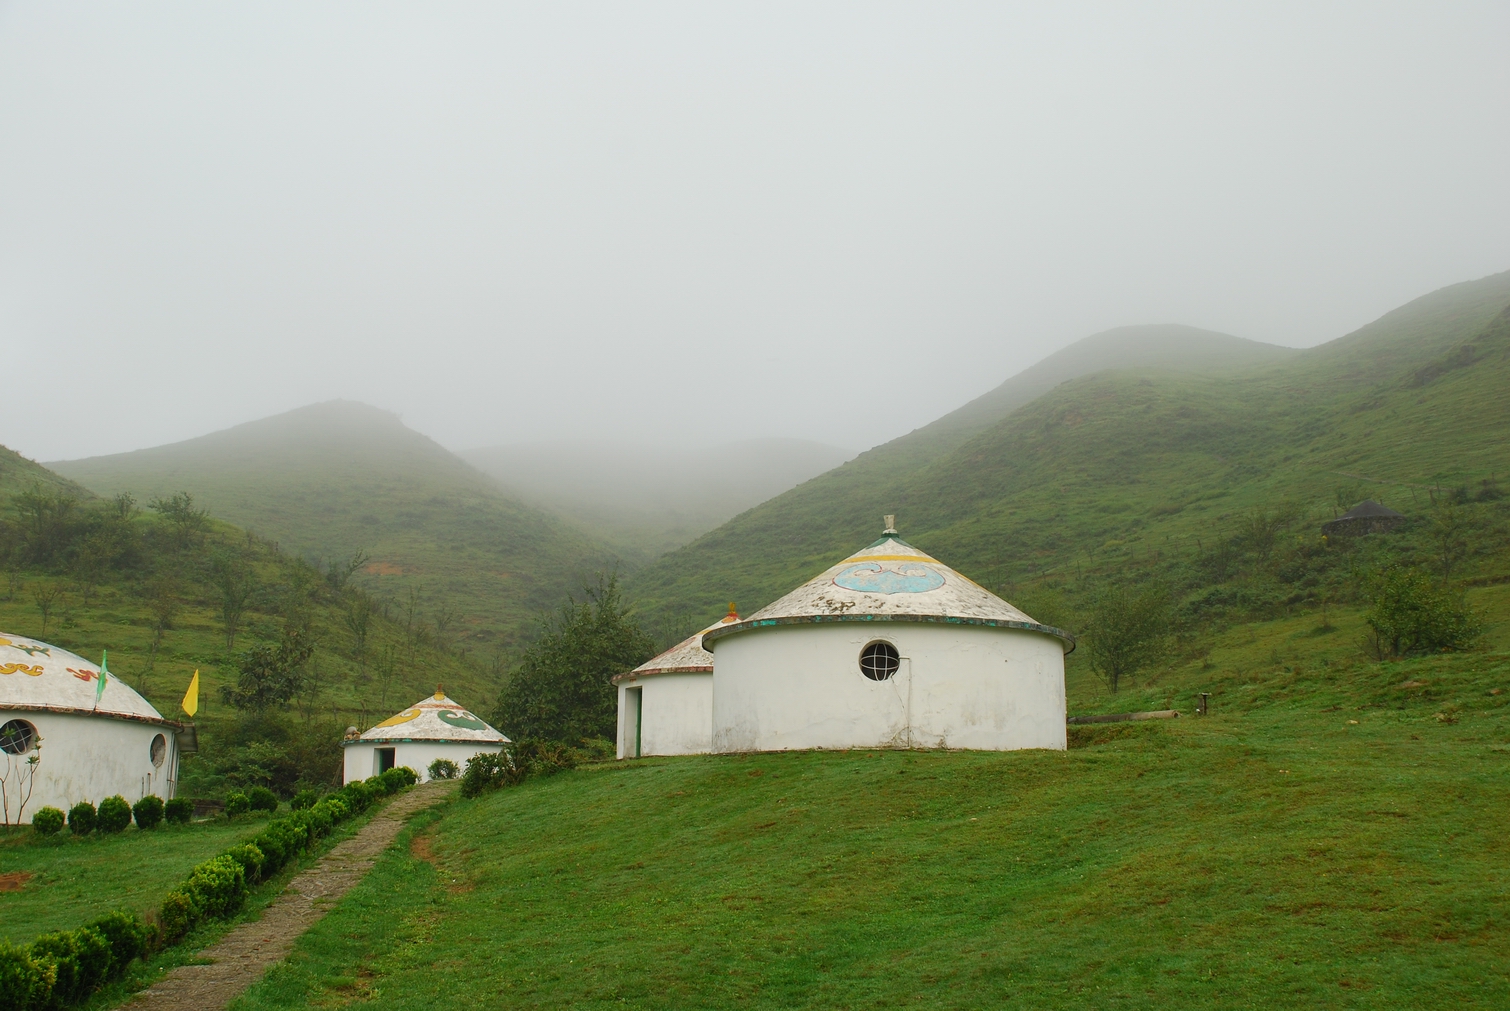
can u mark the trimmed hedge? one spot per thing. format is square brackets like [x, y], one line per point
[47, 821]
[148, 811]
[82, 818]
[179, 810]
[114, 814]
[63, 969]
[262, 799]
[237, 803]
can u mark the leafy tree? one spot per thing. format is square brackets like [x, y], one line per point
[358, 619]
[338, 574]
[236, 583]
[560, 691]
[1128, 632]
[186, 522]
[46, 596]
[269, 675]
[1412, 614]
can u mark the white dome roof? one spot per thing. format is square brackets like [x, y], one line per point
[888, 581]
[686, 657]
[38, 675]
[434, 718]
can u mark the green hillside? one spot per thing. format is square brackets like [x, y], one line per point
[151, 586]
[18, 474]
[1146, 467]
[1333, 835]
[331, 479]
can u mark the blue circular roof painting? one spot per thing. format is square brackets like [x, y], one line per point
[872, 577]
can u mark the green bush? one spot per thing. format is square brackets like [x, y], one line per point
[217, 887]
[47, 821]
[542, 758]
[250, 857]
[114, 814]
[262, 799]
[82, 818]
[444, 768]
[127, 936]
[236, 803]
[148, 812]
[303, 799]
[25, 981]
[489, 771]
[82, 960]
[1411, 614]
[338, 809]
[357, 795]
[176, 915]
[179, 810]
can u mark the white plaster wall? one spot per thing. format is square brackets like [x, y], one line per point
[959, 686]
[676, 716]
[88, 758]
[360, 759]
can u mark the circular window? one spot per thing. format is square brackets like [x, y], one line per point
[17, 737]
[879, 661]
[159, 749]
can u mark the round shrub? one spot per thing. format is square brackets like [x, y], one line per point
[179, 810]
[176, 915]
[444, 768]
[127, 936]
[216, 888]
[82, 818]
[24, 981]
[148, 811]
[236, 803]
[338, 809]
[262, 799]
[397, 778]
[303, 799]
[357, 795]
[114, 814]
[82, 958]
[47, 821]
[250, 858]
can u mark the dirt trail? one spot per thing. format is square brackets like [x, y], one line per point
[244, 954]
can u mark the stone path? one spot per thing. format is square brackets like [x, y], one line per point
[243, 955]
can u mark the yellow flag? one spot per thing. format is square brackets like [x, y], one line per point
[191, 697]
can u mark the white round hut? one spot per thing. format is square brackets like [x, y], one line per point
[888, 649]
[434, 727]
[666, 703]
[63, 741]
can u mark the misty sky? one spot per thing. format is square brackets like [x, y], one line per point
[703, 221]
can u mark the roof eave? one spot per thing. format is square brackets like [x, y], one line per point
[937, 619]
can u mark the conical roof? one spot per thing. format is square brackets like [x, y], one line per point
[686, 657]
[1369, 509]
[889, 580]
[434, 718]
[40, 676]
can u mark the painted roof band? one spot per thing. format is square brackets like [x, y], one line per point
[940, 619]
[28, 707]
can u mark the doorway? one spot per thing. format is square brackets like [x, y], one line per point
[382, 760]
[635, 697]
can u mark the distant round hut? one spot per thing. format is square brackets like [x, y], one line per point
[1367, 517]
[666, 703]
[890, 648]
[63, 739]
[434, 727]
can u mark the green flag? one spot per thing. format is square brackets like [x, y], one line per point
[99, 687]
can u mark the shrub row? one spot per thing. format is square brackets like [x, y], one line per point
[113, 815]
[510, 767]
[258, 798]
[63, 969]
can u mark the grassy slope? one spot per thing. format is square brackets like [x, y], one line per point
[74, 880]
[18, 474]
[327, 480]
[1144, 459]
[1328, 837]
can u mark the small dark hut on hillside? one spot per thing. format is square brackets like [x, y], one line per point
[1367, 517]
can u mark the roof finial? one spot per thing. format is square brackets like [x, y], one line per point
[891, 525]
[733, 610]
[439, 694]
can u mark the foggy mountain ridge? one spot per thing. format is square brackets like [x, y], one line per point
[329, 479]
[647, 499]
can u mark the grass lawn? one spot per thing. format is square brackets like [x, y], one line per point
[72, 881]
[1336, 834]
